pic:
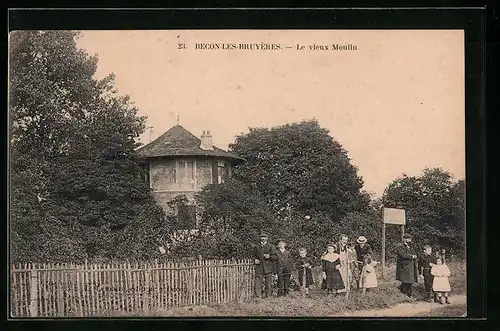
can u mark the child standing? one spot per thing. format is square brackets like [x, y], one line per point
[425, 263]
[330, 263]
[304, 265]
[368, 275]
[441, 283]
[284, 268]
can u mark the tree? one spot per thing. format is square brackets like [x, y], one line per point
[297, 184]
[434, 205]
[76, 190]
[300, 166]
[233, 215]
[36, 134]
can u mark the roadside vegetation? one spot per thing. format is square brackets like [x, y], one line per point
[319, 304]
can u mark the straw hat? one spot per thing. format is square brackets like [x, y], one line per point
[361, 240]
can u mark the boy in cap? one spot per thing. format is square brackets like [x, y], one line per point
[406, 269]
[362, 249]
[305, 265]
[264, 257]
[284, 268]
[425, 264]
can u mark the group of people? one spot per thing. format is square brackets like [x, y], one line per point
[341, 266]
[344, 266]
[431, 267]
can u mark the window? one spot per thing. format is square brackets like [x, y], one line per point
[187, 217]
[220, 171]
[145, 173]
[185, 174]
[190, 173]
[172, 175]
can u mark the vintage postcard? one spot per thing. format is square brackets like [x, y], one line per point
[314, 173]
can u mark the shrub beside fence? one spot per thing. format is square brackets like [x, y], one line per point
[66, 290]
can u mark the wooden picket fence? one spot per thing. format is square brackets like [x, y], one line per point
[70, 290]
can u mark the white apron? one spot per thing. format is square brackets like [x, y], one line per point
[346, 269]
[441, 282]
[370, 276]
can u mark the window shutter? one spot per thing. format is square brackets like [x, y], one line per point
[215, 172]
[190, 174]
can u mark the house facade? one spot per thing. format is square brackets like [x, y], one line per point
[180, 164]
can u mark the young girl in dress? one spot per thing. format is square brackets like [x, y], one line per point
[304, 265]
[369, 277]
[441, 283]
[330, 263]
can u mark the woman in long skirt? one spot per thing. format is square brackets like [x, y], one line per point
[345, 261]
[330, 263]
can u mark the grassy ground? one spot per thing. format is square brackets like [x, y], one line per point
[446, 311]
[321, 304]
[317, 304]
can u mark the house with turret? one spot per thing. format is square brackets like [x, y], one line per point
[180, 164]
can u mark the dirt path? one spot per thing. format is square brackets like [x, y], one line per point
[405, 309]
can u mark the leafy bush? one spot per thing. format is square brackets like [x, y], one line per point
[76, 189]
[435, 209]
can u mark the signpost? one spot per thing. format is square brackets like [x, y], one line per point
[391, 216]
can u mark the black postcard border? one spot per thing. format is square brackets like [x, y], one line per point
[472, 20]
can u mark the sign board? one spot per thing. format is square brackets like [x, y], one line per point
[394, 216]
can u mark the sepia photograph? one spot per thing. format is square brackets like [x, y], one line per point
[237, 173]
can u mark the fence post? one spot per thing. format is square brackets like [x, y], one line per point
[383, 251]
[34, 293]
[146, 291]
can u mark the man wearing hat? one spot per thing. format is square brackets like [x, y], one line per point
[265, 256]
[362, 249]
[407, 266]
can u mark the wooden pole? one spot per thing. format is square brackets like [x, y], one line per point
[383, 249]
[146, 291]
[362, 279]
[304, 282]
[348, 278]
[34, 293]
[80, 306]
[14, 292]
[402, 232]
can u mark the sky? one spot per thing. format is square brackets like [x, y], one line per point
[396, 104]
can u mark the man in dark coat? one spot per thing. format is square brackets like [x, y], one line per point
[284, 266]
[425, 263]
[406, 269]
[362, 249]
[265, 256]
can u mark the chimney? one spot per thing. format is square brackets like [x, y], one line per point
[206, 141]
